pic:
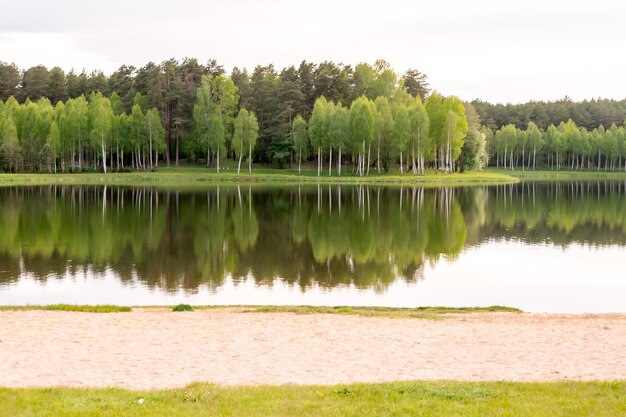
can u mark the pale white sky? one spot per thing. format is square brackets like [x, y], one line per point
[496, 50]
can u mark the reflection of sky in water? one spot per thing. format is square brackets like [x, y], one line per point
[536, 278]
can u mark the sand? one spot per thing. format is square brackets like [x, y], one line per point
[155, 348]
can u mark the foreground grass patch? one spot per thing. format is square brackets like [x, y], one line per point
[71, 307]
[419, 312]
[567, 399]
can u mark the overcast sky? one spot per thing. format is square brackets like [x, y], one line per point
[496, 50]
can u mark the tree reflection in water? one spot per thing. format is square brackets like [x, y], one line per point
[328, 235]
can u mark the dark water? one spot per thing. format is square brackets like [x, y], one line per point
[541, 247]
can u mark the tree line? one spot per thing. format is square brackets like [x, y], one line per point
[79, 135]
[589, 114]
[275, 97]
[377, 133]
[365, 117]
[95, 133]
[566, 146]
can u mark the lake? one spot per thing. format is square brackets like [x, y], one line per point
[541, 247]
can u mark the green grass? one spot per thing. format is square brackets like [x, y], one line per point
[441, 399]
[182, 307]
[563, 175]
[419, 312]
[71, 307]
[200, 177]
[196, 176]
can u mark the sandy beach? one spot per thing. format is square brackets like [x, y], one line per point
[155, 348]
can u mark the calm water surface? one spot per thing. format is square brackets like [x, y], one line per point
[540, 247]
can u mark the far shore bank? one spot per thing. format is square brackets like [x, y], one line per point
[193, 177]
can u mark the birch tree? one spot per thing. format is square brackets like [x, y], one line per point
[300, 138]
[318, 129]
[362, 117]
[401, 134]
[339, 132]
[156, 135]
[419, 142]
[102, 120]
[384, 128]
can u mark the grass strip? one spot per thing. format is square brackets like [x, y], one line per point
[72, 307]
[194, 177]
[426, 399]
[550, 175]
[418, 312]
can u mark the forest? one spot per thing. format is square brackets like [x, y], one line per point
[337, 117]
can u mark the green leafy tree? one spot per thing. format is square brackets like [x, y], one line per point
[53, 144]
[401, 134]
[454, 130]
[362, 119]
[216, 135]
[318, 128]
[10, 148]
[137, 135]
[300, 139]
[507, 136]
[339, 132]
[216, 100]
[156, 135]
[251, 135]
[384, 130]
[419, 142]
[244, 136]
[437, 113]
[77, 111]
[102, 117]
[535, 140]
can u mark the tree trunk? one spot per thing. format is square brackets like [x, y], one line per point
[330, 162]
[80, 155]
[168, 158]
[378, 158]
[104, 155]
[369, 153]
[319, 156]
[150, 134]
[339, 164]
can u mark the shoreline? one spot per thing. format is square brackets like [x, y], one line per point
[155, 348]
[195, 177]
[199, 177]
